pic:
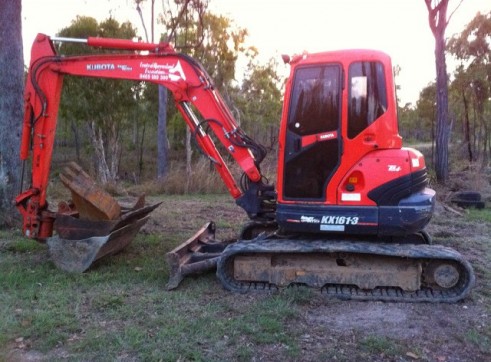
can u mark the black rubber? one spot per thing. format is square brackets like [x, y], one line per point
[468, 199]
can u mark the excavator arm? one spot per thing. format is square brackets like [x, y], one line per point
[198, 101]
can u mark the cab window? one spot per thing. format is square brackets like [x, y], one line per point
[314, 106]
[367, 95]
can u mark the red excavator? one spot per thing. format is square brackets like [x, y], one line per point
[347, 216]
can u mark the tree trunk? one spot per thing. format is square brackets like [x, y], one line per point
[141, 149]
[11, 108]
[437, 18]
[114, 146]
[189, 157]
[107, 151]
[442, 124]
[100, 164]
[162, 141]
[467, 131]
[485, 139]
[76, 138]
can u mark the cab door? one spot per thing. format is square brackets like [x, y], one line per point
[313, 144]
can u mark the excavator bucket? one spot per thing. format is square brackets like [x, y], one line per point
[91, 202]
[198, 254]
[95, 226]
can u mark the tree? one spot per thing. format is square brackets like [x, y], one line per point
[186, 31]
[426, 110]
[11, 109]
[473, 78]
[86, 100]
[178, 14]
[259, 101]
[437, 18]
[460, 89]
[162, 139]
[224, 42]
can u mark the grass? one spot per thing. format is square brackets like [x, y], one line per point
[483, 215]
[120, 310]
[480, 340]
[380, 346]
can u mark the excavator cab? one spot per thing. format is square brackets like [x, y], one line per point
[342, 168]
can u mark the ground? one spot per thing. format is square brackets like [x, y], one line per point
[120, 310]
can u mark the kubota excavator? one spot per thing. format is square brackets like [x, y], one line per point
[347, 215]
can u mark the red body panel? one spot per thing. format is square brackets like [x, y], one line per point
[375, 169]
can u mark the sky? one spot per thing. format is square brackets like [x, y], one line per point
[397, 27]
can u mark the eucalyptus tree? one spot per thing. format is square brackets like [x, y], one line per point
[473, 80]
[11, 110]
[438, 21]
[215, 42]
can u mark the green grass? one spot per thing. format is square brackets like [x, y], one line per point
[482, 341]
[120, 309]
[36, 304]
[381, 346]
[480, 215]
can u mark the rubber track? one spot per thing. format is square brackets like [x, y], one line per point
[350, 292]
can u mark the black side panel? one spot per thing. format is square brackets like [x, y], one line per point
[328, 219]
[409, 216]
[390, 193]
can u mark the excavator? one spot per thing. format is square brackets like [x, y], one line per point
[350, 205]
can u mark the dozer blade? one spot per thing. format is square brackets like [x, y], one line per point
[198, 254]
[79, 255]
[92, 202]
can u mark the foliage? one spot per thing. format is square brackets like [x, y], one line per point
[259, 102]
[469, 98]
[220, 42]
[472, 86]
[256, 103]
[104, 106]
[417, 124]
[120, 113]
